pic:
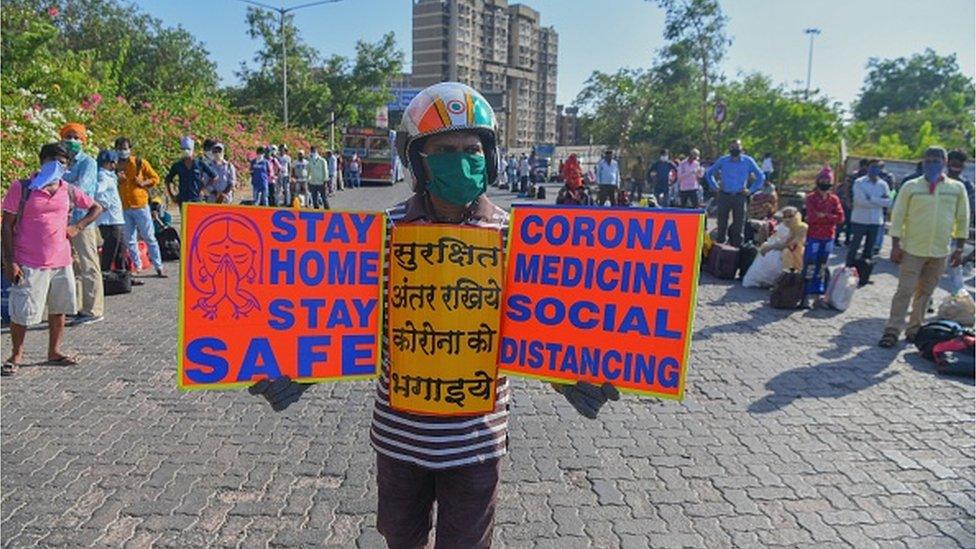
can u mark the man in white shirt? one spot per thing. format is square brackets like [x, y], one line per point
[608, 178]
[870, 196]
[333, 163]
[523, 175]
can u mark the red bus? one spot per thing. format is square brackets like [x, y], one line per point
[375, 147]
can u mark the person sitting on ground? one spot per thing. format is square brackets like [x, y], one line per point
[824, 214]
[37, 253]
[790, 238]
[763, 204]
[161, 219]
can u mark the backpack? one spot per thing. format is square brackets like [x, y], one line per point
[169, 244]
[540, 193]
[117, 282]
[935, 332]
[954, 357]
[787, 291]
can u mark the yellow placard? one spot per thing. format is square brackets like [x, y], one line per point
[444, 316]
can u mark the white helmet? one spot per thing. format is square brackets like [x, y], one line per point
[441, 108]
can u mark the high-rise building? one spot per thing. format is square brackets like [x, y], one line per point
[499, 49]
[567, 125]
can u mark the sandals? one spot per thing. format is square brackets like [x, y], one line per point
[888, 341]
[62, 361]
[9, 368]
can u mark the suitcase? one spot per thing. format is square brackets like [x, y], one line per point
[864, 268]
[747, 254]
[723, 261]
[788, 291]
[117, 282]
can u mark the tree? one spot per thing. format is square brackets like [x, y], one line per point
[351, 90]
[133, 54]
[696, 29]
[905, 84]
[768, 119]
[362, 86]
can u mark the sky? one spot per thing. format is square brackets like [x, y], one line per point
[607, 35]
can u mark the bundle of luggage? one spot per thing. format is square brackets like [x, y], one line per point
[950, 345]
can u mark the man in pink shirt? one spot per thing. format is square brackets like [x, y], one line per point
[37, 252]
[689, 172]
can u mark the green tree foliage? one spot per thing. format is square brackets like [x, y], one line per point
[769, 119]
[132, 54]
[695, 29]
[906, 102]
[351, 89]
[910, 83]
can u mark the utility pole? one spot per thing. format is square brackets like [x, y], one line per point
[282, 12]
[812, 32]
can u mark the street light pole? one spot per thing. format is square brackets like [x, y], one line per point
[282, 12]
[812, 32]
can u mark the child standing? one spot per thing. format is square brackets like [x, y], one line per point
[824, 213]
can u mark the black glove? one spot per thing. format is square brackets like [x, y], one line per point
[588, 398]
[280, 393]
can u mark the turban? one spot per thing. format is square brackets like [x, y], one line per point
[78, 128]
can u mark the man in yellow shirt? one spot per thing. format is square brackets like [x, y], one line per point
[136, 177]
[929, 222]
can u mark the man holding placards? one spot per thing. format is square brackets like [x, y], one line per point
[440, 422]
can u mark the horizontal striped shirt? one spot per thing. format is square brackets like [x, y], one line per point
[437, 442]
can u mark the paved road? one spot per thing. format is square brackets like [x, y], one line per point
[795, 431]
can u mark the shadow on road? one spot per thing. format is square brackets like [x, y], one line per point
[830, 380]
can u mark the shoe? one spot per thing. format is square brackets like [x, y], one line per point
[161, 274]
[910, 337]
[888, 341]
[81, 319]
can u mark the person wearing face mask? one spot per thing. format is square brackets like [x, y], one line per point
[929, 223]
[688, 173]
[662, 172]
[608, 178]
[36, 247]
[111, 224]
[824, 212]
[299, 177]
[193, 174]
[136, 177]
[453, 461]
[318, 176]
[734, 170]
[83, 173]
[954, 168]
[220, 189]
[284, 175]
[870, 196]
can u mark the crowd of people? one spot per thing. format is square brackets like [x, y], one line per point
[116, 220]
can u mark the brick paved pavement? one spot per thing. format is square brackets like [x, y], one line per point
[795, 431]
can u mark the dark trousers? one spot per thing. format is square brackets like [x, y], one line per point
[465, 499]
[272, 194]
[113, 247]
[663, 195]
[859, 232]
[734, 203]
[606, 192]
[636, 190]
[689, 199]
[845, 227]
[523, 185]
[317, 195]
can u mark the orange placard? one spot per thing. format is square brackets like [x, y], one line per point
[444, 303]
[269, 292]
[601, 295]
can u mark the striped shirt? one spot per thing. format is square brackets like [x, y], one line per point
[431, 441]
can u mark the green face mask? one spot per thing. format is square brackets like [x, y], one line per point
[73, 146]
[457, 178]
